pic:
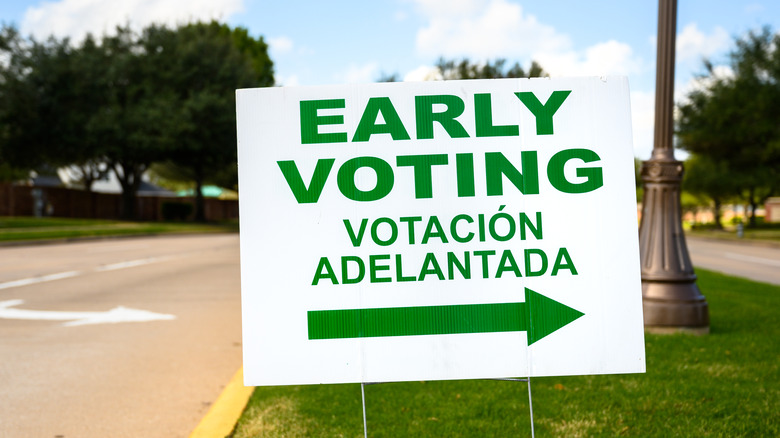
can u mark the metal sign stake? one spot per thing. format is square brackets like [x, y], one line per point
[363, 396]
[531, 407]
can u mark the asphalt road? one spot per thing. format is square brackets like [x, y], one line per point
[128, 379]
[755, 262]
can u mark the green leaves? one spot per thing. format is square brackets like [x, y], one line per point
[731, 123]
[465, 69]
[128, 99]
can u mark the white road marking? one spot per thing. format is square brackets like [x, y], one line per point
[69, 274]
[130, 264]
[40, 279]
[113, 316]
[744, 258]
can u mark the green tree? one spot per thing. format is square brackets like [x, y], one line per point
[640, 191]
[47, 88]
[87, 155]
[450, 69]
[205, 63]
[256, 50]
[9, 42]
[466, 69]
[32, 73]
[733, 120]
[127, 100]
[706, 178]
[135, 120]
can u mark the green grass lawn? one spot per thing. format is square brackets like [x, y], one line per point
[726, 384]
[31, 229]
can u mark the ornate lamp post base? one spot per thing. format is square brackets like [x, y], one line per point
[675, 314]
[671, 300]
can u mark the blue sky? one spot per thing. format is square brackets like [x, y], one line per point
[341, 41]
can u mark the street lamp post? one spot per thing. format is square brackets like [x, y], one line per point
[671, 300]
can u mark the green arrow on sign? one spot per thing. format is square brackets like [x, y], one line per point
[538, 315]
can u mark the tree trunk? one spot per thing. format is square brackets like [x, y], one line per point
[128, 205]
[752, 203]
[716, 213]
[129, 177]
[91, 172]
[87, 177]
[753, 221]
[200, 209]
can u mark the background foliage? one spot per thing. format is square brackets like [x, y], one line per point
[127, 100]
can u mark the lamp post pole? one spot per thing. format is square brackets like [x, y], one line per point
[671, 300]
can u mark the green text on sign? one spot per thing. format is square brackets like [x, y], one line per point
[538, 315]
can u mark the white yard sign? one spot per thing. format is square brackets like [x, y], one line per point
[438, 230]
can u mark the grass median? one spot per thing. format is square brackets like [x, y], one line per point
[726, 384]
[18, 229]
[764, 232]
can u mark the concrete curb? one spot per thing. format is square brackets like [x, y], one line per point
[221, 419]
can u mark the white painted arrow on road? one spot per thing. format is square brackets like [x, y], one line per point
[113, 316]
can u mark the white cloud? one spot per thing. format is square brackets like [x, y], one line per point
[693, 44]
[642, 122]
[281, 44]
[643, 125]
[400, 16]
[643, 110]
[360, 74]
[702, 83]
[484, 29]
[286, 81]
[455, 8]
[75, 18]
[608, 58]
[754, 8]
[423, 73]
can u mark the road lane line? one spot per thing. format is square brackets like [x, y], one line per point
[69, 274]
[744, 258]
[40, 279]
[129, 264]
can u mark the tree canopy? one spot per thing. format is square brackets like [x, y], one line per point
[732, 122]
[707, 179]
[466, 69]
[451, 69]
[127, 100]
[205, 63]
